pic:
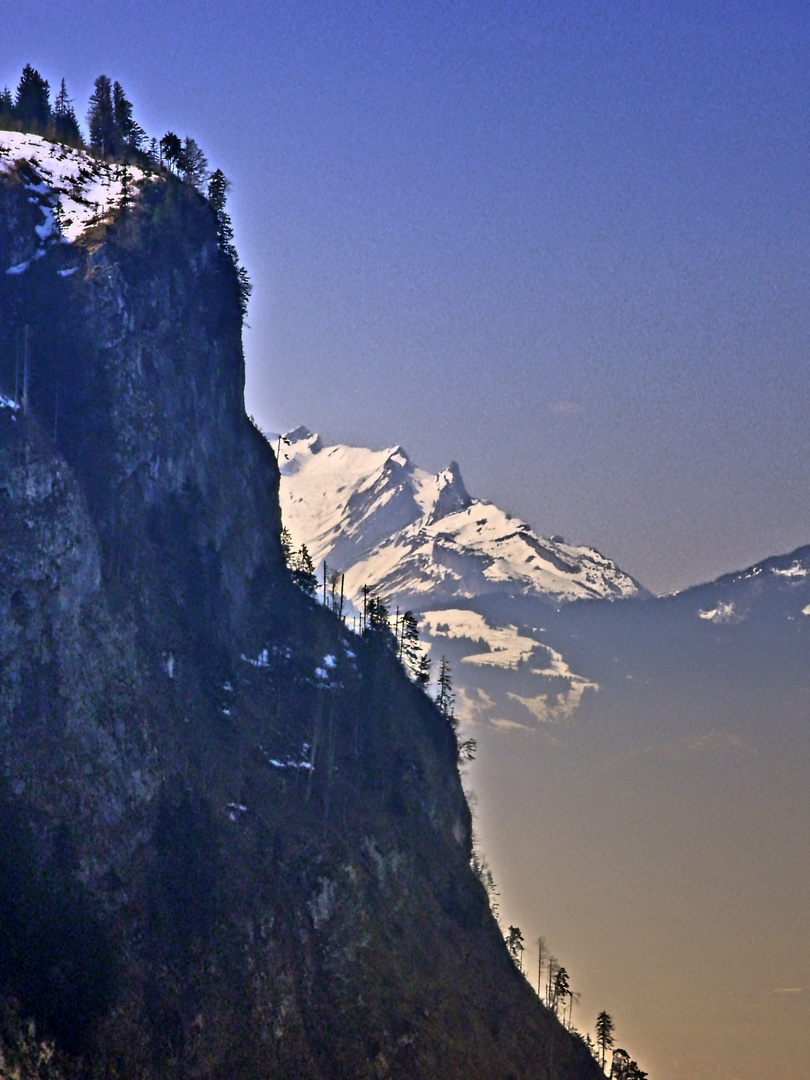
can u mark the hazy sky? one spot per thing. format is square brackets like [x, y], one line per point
[563, 243]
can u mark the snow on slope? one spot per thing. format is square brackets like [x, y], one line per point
[504, 645]
[412, 535]
[83, 188]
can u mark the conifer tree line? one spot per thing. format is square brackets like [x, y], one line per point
[554, 990]
[398, 632]
[114, 134]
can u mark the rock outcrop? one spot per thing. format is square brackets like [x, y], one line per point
[233, 839]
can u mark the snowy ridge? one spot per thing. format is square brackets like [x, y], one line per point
[73, 189]
[414, 536]
[791, 571]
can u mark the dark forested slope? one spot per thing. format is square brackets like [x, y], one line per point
[233, 840]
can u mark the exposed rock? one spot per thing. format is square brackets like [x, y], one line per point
[233, 840]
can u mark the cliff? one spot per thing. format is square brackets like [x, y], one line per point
[233, 840]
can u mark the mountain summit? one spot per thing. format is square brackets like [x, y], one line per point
[411, 534]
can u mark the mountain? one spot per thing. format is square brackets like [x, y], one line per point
[233, 837]
[654, 750]
[410, 534]
[502, 601]
[423, 543]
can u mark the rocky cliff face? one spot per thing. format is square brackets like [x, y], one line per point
[233, 840]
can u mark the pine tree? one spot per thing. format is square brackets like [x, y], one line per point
[480, 867]
[218, 186]
[422, 677]
[410, 653]
[65, 124]
[624, 1067]
[245, 288]
[217, 194]
[171, 150]
[32, 106]
[604, 1035]
[101, 117]
[514, 943]
[378, 621]
[7, 122]
[193, 164]
[561, 988]
[128, 135]
[303, 571]
[137, 139]
[287, 547]
[467, 749]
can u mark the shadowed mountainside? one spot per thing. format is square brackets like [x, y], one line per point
[233, 840]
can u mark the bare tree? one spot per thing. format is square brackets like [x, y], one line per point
[541, 952]
[445, 698]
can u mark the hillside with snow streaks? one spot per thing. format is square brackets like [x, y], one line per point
[73, 190]
[412, 535]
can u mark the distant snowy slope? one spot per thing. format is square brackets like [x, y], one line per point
[420, 538]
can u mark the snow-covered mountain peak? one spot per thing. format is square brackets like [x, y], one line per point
[415, 535]
[303, 435]
[451, 497]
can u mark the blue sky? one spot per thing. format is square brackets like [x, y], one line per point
[565, 244]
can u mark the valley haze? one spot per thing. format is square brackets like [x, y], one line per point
[641, 761]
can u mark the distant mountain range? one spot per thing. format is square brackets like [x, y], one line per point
[523, 618]
[411, 534]
[643, 762]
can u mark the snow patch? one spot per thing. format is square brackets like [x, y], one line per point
[289, 762]
[261, 661]
[794, 571]
[505, 646]
[73, 189]
[559, 708]
[503, 724]
[723, 615]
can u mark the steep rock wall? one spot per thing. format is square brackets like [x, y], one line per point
[234, 841]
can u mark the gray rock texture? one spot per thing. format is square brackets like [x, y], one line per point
[221, 853]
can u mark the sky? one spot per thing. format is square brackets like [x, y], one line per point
[564, 244]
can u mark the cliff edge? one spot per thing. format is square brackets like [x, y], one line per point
[233, 840]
